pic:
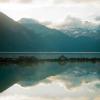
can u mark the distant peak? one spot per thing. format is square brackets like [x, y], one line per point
[29, 20]
[4, 17]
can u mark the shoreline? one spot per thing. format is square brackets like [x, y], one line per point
[33, 59]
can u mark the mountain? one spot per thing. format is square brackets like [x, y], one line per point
[29, 35]
[14, 36]
[38, 28]
[75, 27]
[57, 40]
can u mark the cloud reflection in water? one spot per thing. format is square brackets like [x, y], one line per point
[51, 81]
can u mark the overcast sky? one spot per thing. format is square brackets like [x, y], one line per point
[51, 10]
[53, 1]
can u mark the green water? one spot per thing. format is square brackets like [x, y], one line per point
[50, 80]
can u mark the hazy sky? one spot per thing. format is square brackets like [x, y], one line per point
[51, 10]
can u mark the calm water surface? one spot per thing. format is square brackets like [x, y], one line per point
[50, 80]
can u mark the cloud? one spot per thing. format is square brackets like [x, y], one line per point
[25, 1]
[17, 1]
[2, 1]
[54, 1]
[97, 18]
[75, 1]
[73, 26]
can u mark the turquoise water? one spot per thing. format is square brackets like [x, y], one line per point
[51, 54]
[50, 80]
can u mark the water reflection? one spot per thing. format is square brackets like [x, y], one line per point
[29, 74]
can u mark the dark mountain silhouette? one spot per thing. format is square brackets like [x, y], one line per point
[29, 35]
[14, 36]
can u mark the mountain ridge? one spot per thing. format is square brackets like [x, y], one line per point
[18, 37]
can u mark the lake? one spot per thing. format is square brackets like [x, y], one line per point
[50, 80]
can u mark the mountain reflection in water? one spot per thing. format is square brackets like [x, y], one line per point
[29, 74]
[57, 79]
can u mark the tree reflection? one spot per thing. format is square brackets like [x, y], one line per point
[28, 71]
